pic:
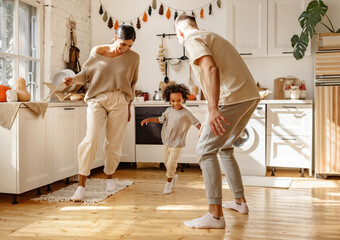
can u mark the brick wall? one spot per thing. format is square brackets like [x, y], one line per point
[56, 13]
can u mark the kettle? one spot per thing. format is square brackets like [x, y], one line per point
[158, 95]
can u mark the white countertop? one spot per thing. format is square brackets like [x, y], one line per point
[272, 101]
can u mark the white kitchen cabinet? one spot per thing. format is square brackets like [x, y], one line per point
[264, 27]
[26, 161]
[189, 154]
[290, 136]
[66, 138]
[247, 26]
[283, 24]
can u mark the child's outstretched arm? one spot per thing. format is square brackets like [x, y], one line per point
[147, 120]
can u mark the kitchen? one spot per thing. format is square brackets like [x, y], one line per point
[264, 67]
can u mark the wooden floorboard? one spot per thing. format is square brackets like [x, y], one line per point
[309, 209]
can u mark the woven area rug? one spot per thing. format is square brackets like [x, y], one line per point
[95, 191]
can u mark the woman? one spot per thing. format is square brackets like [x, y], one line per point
[112, 73]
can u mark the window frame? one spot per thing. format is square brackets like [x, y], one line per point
[17, 57]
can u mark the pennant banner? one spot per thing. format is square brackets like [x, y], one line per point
[170, 11]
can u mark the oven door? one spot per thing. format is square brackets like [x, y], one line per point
[151, 133]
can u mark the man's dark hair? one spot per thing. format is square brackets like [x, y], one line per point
[175, 88]
[126, 32]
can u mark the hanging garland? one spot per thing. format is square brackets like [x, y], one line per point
[153, 6]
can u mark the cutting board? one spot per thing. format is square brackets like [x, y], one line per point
[279, 84]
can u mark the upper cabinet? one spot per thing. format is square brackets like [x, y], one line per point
[264, 27]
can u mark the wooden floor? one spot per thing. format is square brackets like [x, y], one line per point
[309, 209]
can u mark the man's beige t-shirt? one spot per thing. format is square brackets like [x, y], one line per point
[106, 74]
[237, 83]
[176, 124]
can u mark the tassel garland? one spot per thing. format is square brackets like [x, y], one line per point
[138, 24]
[154, 4]
[101, 10]
[116, 25]
[175, 15]
[110, 23]
[219, 3]
[105, 17]
[168, 14]
[145, 17]
[161, 10]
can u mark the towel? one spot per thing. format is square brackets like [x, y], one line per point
[9, 111]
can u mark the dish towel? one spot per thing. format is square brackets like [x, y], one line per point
[9, 111]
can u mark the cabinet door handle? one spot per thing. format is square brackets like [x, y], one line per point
[248, 54]
[68, 109]
[193, 105]
[287, 139]
[287, 52]
[289, 107]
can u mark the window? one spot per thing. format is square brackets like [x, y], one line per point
[20, 43]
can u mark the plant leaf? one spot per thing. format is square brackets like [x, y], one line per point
[338, 31]
[300, 47]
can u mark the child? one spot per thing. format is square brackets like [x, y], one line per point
[176, 123]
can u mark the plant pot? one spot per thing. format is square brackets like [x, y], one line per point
[328, 41]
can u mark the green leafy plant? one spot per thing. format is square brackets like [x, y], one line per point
[308, 19]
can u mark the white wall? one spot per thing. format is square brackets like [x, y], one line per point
[264, 70]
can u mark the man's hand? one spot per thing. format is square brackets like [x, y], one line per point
[216, 122]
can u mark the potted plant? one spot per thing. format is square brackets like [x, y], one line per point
[314, 14]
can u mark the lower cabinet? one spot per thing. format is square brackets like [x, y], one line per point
[26, 160]
[290, 136]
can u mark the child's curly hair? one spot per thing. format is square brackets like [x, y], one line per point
[175, 88]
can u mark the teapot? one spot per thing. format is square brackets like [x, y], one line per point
[158, 95]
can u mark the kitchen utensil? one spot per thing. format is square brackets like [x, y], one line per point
[184, 57]
[166, 79]
[158, 96]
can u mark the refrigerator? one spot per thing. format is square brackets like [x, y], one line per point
[327, 114]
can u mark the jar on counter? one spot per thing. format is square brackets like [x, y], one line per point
[295, 93]
[145, 95]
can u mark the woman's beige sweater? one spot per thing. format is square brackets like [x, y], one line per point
[106, 74]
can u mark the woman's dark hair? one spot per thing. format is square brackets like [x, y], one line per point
[175, 88]
[126, 32]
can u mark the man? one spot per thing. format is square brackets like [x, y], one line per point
[232, 97]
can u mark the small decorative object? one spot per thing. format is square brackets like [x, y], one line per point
[150, 10]
[154, 4]
[219, 3]
[12, 96]
[101, 9]
[210, 9]
[138, 24]
[161, 10]
[131, 23]
[175, 15]
[287, 91]
[116, 25]
[3, 91]
[110, 23]
[145, 17]
[192, 13]
[23, 94]
[302, 89]
[264, 92]
[105, 17]
[168, 13]
[295, 93]
[201, 13]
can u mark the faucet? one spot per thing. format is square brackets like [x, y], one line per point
[36, 85]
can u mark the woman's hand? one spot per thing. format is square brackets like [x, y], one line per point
[67, 81]
[216, 122]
